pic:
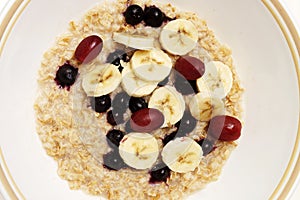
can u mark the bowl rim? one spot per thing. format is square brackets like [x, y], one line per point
[14, 8]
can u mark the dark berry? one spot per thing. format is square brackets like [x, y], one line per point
[159, 173]
[114, 137]
[185, 86]
[101, 104]
[114, 117]
[136, 104]
[134, 14]
[154, 17]
[120, 102]
[172, 136]
[112, 160]
[127, 127]
[206, 145]
[66, 75]
[187, 123]
[116, 56]
[163, 82]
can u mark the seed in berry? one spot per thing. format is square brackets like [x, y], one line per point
[66, 75]
[225, 128]
[190, 67]
[154, 17]
[206, 145]
[120, 102]
[114, 137]
[159, 173]
[134, 14]
[146, 120]
[100, 104]
[114, 117]
[136, 104]
[113, 161]
[187, 123]
[184, 86]
[88, 49]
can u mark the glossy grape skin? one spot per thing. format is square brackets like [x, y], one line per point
[66, 75]
[190, 67]
[88, 49]
[146, 120]
[113, 161]
[134, 14]
[185, 86]
[100, 104]
[187, 123]
[114, 137]
[154, 17]
[137, 103]
[120, 102]
[114, 117]
[159, 173]
[225, 128]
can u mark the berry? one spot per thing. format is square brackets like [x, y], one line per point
[154, 17]
[146, 120]
[120, 102]
[127, 127]
[88, 49]
[114, 137]
[190, 67]
[206, 145]
[163, 82]
[187, 123]
[172, 136]
[66, 75]
[116, 56]
[114, 117]
[136, 104]
[159, 173]
[100, 104]
[184, 86]
[134, 14]
[113, 161]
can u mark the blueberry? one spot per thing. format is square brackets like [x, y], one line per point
[127, 127]
[134, 14]
[116, 56]
[159, 173]
[66, 75]
[136, 104]
[185, 86]
[114, 117]
[154, 17]
[207, 146]
[120, 102]
[100, 104]
[172, 136]
[187, 123]
[114, 137]
[113, 161]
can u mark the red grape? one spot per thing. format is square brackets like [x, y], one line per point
[88, 49]
[190, 67]
[146, 120]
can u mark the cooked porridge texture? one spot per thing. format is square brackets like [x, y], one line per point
[138, 100]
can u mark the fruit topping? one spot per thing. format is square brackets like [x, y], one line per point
[116, 56]
[164, 82]
[154, 17]
[113, 161]
[136, 104]
[88, 49]
[100, 104]
[187, 123]
[127, 127]
[184, 86]
[146, 120]
[120, 102]
[159, 173]
[114, 137]
[206, 145]
[225, 128]
[190, 67]
[139, 150]
[115, 117]
[66, 75]
[134, 14]
[172, 136]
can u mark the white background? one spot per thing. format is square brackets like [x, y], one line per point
[293, 7]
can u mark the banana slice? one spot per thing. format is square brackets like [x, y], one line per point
[135, 86]
[204, 106]
[182, 154]
[134, 41]
[171, 103]
[179, 37]
[139, 150]
[153, 65]
[102, 80]
[217, 79]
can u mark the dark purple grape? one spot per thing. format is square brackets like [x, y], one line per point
[163, 82]
[136, 104]
[114, 117]
[100, 104]
[185, 86]
[187, 123]
[114, 137]
[113, 161]
[66, 75]
[159, 173]
[134, 14]
[206, 145]
[120, 102]
[153, 17]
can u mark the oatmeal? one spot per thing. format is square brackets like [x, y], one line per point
[138, 101]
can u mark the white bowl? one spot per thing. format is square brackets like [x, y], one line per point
[265, 48]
